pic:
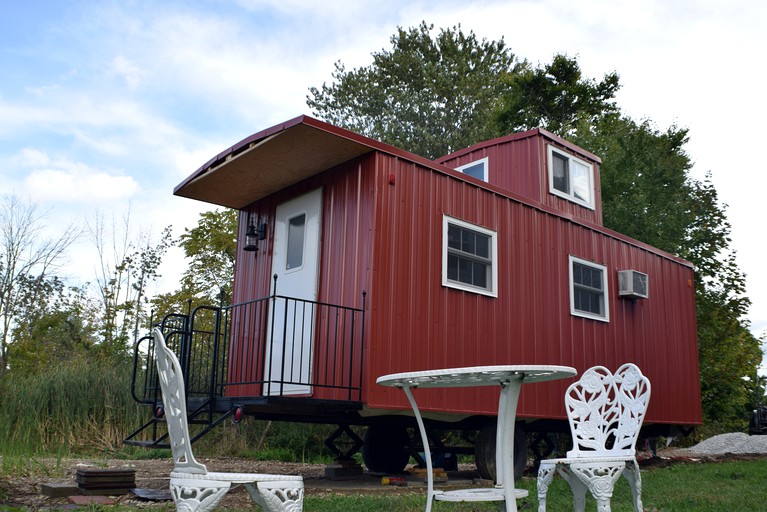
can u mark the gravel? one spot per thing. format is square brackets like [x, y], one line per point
[736, 442]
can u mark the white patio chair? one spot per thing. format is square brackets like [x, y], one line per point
[605, 411]
[192, 486]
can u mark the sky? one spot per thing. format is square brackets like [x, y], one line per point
[105, 106]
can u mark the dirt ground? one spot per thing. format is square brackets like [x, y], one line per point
[150, 474]
[25, 492]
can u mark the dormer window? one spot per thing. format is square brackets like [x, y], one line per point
[477, 169]
[571, 178]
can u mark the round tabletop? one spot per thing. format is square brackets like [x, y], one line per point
[476, 376]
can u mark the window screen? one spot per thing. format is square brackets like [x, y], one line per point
[295, 251]
[469, 257]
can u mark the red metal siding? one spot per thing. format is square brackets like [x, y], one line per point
[346, 251]
[520, 165]
[416, 324]
[345, 255]
[382, 233]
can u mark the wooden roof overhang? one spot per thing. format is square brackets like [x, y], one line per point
[274, 159]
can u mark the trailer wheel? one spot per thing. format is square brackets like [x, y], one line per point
[484, 452]
[386, 449]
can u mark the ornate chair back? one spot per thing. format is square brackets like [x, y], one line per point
[606, 411]
[174, 402]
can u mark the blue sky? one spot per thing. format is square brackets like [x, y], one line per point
[110, 104]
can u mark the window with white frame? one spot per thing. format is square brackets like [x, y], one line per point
[588, 290]
[477, 169]
[469, 257]
[570, 177]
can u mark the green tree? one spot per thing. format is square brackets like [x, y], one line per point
[429, 95]
[729, 353]
[128, 263]
[26, 253]
[556, 97]
[211, 247]
[53, 325]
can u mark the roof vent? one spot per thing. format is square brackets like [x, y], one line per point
[632, 284]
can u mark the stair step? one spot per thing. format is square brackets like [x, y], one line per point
[190, 421]
[201, 418]
[146, 444]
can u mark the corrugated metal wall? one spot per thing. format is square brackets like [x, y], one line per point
[345, 253]
[519, 165]
[382, 233]
[416, 324]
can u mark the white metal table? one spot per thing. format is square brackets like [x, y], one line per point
[510, 378]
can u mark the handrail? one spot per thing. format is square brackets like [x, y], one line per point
[235, 350]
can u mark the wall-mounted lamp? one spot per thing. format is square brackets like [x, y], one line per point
[254, 233]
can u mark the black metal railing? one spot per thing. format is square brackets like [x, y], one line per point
[273, 346]
[145, 387]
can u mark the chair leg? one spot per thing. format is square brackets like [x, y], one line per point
[278, 496]
[197, 495]
[576, 487]
[631, 474]
[546, 472]
[600, 479]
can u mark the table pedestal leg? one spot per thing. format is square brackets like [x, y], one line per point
[426, 450]
[504, 442]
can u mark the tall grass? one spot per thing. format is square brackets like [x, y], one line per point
[79, 406]
[266, 440]
[84, 407]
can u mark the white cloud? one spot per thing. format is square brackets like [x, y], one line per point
[16, 117]
[68, 186]
[123, 68]
[60, 180]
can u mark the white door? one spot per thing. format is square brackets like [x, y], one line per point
[295, 262]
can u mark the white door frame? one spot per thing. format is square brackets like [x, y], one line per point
[295, 262]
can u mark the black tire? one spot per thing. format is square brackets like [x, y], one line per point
[484, 452]
[386, 449]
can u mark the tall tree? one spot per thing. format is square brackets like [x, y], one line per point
[555, 96]
[27, 253]
[429, 95]
[53, 325]
[729, 353]
[211, 247]
[128, 263]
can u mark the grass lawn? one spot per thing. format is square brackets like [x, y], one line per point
[692, 487]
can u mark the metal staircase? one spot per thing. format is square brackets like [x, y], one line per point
[223, 352]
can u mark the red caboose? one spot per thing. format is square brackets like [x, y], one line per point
[358, 259]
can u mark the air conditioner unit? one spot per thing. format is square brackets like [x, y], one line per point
[632, 284]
